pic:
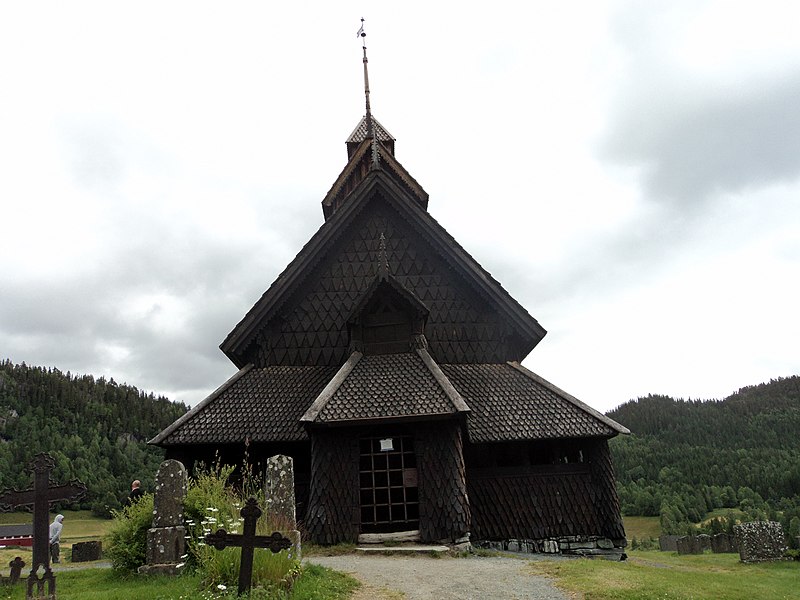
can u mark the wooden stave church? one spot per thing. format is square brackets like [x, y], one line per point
[386, 361]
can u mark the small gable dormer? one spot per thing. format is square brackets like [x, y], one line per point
[389, 318]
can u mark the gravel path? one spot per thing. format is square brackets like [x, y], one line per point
[427, 578]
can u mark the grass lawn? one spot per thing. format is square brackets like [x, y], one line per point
[79, 525]
[667, 576]
[315, 583]
[642, 528]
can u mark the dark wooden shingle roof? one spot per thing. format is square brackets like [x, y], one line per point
[263, 405]
[509, 402]
[386, 386]
[503, 402]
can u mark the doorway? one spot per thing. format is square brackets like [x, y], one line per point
[388, 484]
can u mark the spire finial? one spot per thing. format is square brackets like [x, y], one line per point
[362, 34]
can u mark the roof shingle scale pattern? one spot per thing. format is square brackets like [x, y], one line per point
[387, 386]
[264, 404]
[507, 405]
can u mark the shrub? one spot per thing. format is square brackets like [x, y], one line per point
[212, 502]
[126, 541]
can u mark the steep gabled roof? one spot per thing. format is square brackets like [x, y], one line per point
[378, 183]
[386, 387]
[362, 132]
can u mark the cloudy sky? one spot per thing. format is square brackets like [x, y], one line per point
[629, 171]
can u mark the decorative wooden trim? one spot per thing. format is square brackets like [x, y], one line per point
[331, 388]
[458, 402]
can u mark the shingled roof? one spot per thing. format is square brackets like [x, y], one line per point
[378, 185]
[503, 402]
[509, 402]
[262, 405]
[386, 386]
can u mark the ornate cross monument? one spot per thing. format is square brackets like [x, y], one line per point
[39, 497]
[248, 540]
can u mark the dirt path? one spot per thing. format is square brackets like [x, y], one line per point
[426, 578]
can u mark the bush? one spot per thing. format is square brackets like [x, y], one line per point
[126, 542]
[211, 503]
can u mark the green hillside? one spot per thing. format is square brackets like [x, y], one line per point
[686, 458]
[95, 428]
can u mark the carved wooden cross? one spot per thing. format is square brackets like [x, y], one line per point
[39, 497]
[248, 540]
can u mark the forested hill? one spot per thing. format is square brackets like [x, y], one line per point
[95, 428]
[694, 456]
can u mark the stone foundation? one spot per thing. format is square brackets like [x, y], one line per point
[593, 547]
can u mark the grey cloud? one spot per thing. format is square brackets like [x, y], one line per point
[725, 141]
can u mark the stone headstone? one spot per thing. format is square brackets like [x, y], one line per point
[760, 541]
[171, 486]
[704, 541]
[280, 491]
[723, 543]
[86, 551]
[688, 544]
[166, 539]
[280, 498]
[668, 543]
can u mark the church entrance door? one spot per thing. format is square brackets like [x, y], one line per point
[388, 484]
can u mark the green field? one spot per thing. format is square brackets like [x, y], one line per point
[642, 528]
[79, 526]
[667, 576]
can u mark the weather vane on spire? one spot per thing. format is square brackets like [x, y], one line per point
[362, 34]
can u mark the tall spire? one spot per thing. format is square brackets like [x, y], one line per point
[370, 125]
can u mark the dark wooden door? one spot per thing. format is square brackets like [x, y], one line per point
[388, 484]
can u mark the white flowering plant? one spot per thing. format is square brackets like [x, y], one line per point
[213, 502]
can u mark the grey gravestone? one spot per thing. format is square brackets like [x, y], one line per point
[280, 498]
[704, 541]
[668, 543]
[166, 540]
[760, 541]
[86, 551]
[722, 544]
[688, 544]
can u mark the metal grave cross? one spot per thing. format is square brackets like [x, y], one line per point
[39, 497]
[248, 540]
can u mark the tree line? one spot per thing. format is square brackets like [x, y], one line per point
[96, 429]
[685, 458]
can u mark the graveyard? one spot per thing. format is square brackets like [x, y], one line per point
[646, 574]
